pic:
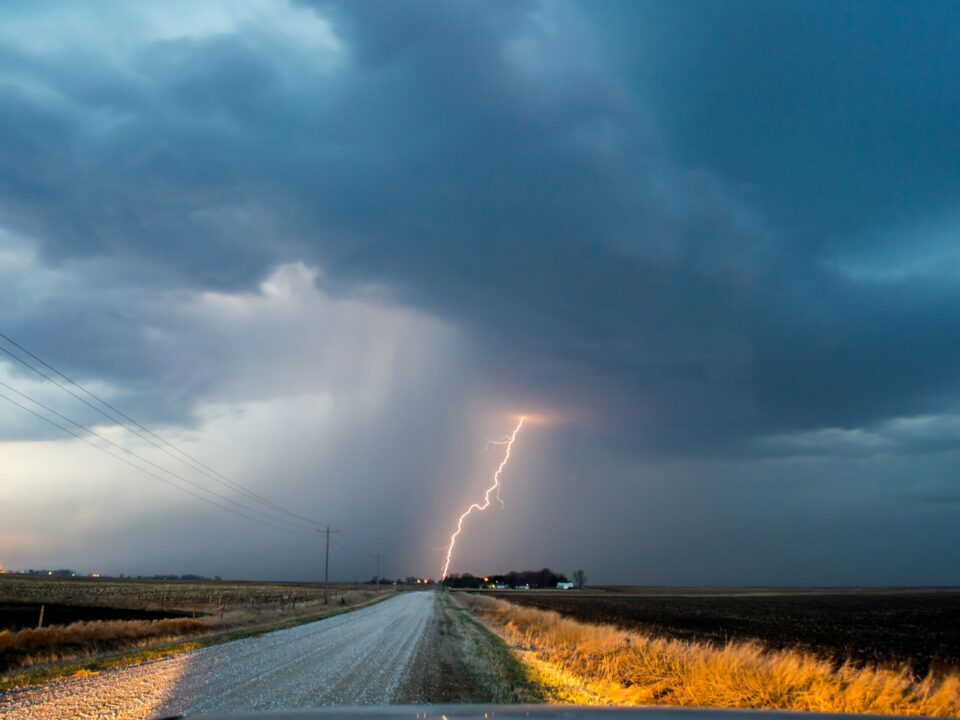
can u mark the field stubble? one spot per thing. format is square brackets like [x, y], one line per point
[586, 662]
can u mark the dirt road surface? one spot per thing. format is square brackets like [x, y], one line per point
[362, 657]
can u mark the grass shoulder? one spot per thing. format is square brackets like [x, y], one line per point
[603, 664]
[491, 663]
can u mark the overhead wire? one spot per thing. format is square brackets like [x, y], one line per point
[295, 530]
[365, 553]
[147, 435]
[144, 433]
[120, 447]
[148, 472]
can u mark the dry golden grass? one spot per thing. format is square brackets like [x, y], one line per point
[623, 667]
[39, 645]
[81, 632]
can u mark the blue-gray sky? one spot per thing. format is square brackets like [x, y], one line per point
[330, 248]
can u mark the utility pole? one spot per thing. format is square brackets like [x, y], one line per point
[326, 568]
[378, 571]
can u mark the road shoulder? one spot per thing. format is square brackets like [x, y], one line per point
[460, 661]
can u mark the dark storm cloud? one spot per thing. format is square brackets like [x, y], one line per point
[725, 234]
[654, 211]
[838, 116]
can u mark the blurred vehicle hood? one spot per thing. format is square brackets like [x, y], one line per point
[514, 712]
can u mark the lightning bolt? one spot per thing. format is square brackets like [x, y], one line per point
[508, 441]
[505, 440]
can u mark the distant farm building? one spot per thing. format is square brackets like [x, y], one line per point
[564, 586]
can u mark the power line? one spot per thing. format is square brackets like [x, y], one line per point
[144, 433]
[147, 472]
[147, 460]
[351, 550]
[229, 483]
[367, 554]
[181, 456]
[360, 551]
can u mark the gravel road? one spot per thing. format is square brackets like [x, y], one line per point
[358, 658]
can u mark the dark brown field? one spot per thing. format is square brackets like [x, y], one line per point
[17, 616]
[919, 628]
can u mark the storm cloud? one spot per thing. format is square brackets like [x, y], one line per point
[715, 244]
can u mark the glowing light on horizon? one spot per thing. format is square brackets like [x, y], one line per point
[495, 487]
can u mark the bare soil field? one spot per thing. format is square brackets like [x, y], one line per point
[888, 628]
[18, 616]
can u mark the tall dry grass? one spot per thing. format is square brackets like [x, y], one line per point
[31, 646]
[625, 667]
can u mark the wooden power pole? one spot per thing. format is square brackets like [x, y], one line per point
[326, 568]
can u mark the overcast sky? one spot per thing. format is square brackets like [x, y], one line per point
[712, 250]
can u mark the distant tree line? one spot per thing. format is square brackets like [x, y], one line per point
[545, 578]
[188, 576]
[66, 572]
[62, 572]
